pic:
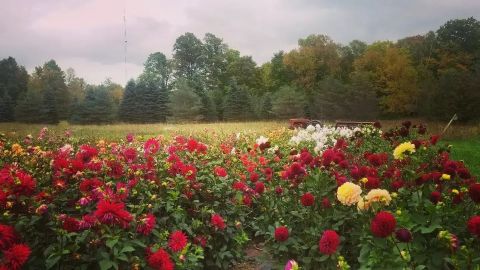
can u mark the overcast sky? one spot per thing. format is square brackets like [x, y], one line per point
[87, 35]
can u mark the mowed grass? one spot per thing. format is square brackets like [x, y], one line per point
[467, 150]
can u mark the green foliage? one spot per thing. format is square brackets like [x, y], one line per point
[6, 108]
[97, 102]
[28, 107]
[184, 104]
[453, 92]
[288, 102]
[237, 103]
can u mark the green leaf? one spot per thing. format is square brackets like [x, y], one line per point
[111, 242]
[105, 264]
[52, 261]
[127, 249]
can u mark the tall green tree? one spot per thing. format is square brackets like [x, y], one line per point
[188, 57]
[130, 108]
[214, 62]
[237, 104]
[288, 102]
[96, 108]
[13, 84]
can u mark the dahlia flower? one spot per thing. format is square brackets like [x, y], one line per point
[399, 152]
[349, 193]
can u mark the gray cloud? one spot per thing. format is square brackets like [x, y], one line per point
[88, 34]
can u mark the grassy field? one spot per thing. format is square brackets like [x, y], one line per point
[467, 150]
[465, 139]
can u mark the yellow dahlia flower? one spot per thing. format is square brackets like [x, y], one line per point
[400, 150]
[375, 195]
[349, 193]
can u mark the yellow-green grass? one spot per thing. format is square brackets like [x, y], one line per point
[467, 150]
[119, 131]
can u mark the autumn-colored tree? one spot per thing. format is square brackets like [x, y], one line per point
[391, 71]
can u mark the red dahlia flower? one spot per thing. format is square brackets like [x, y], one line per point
[160, 260]
[435, 197]
[111, 213]
[16, 256]
[220, 172]
[307, 199]
[217, 222]
[474, 192]
[281, 233]
[71, 224]
[474, 225]
[328, 242]
[7, 236]
[259, 187]
[403, 235]
[383, 224]
[177, 241]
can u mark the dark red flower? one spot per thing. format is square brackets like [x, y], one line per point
[71, 224]
[259, 187]
[307, 199]
[396, 185]
[160, 260]
[329, 242]
[435, 197]
[372, 183]
[16, 256]
[434, 139]
[88, 185]
[217, 222]
[281, 233]
[474, 225]
[247, 200]
[326, 203]
[474, 192]
[278, 190]
[111, 213]
[7, 236]
[177, 241]
[383, 224]
[254, 177]
[403, 235]
[146, 224]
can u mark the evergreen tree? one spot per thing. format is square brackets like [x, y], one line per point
[288, 102]
[6, 108]
[48, 107]
[28, 107]
[129, 110]
[237, 103]
[96, 108]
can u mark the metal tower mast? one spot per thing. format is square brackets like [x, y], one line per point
[125, 39]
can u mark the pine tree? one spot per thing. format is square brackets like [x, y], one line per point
[48, 108]
[130, 105]
[96, 108]
[28, 107]
[237, 103]
[6, 108]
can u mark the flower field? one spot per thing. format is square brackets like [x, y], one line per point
[318, 198]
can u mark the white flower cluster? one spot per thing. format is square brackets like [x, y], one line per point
[321, 136]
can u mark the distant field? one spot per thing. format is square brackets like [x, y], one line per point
[118, 131]
[115, 131]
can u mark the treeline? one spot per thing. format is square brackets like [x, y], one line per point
[433, 75]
